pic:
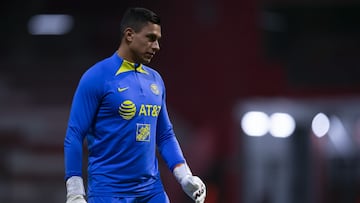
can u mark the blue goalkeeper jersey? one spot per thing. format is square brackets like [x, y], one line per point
[119, 107]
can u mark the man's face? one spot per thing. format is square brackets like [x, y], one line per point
[145, 43]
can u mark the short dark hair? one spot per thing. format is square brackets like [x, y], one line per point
[136, 18]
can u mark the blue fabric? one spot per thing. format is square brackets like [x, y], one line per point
[155, 198]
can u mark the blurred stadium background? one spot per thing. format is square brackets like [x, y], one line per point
[264, 95]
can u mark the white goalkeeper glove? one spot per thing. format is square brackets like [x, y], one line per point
[193, 186]
[75, 190]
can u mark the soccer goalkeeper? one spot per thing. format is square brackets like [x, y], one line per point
[119, 108]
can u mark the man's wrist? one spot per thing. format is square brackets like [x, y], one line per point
[75, 186]
[180, 171]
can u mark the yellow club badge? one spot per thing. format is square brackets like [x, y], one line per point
[154, 88]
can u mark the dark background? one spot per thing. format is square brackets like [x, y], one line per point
[215, 55]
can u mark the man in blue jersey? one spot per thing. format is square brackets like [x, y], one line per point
[119, 108]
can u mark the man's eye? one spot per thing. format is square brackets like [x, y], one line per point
[152, 38]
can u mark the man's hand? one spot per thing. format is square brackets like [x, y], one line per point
[75, 190]
[193, 186]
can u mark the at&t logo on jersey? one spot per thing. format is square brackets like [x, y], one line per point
[127, 110]
[149, 110]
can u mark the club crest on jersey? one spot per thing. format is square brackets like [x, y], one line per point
[154, 88]
[142, 132]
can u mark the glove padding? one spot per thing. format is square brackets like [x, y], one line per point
[76, 199]
[193, 186]
[75, 190]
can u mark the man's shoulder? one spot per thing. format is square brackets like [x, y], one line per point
[102, 66]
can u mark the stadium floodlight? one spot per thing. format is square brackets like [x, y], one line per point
[320, 125]
[255, 123]
[50, 24]
[282, 125]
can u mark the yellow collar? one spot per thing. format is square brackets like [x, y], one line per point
[129, 66]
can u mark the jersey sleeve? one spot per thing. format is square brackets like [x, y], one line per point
[167, 143]
[83, 110]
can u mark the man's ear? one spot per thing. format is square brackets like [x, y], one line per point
[129, 34]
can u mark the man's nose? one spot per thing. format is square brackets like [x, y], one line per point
[156, 45]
